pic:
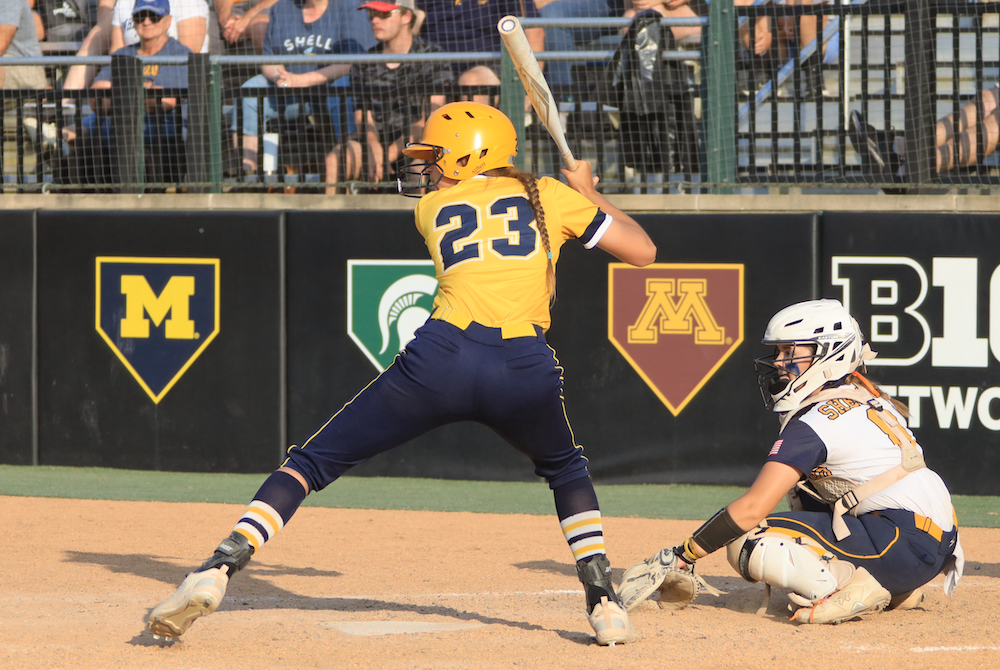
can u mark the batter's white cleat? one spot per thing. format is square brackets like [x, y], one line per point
[862, 594]
[200, 593]
[906, 601]
[611, 623]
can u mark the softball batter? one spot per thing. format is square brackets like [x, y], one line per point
[495, 236]
[870, 523]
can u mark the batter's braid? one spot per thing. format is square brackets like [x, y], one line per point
[530, 184]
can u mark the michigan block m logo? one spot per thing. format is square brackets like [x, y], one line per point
[157, 315]
[675, 324]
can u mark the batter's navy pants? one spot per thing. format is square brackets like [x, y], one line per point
[887, 543]
[444, 375]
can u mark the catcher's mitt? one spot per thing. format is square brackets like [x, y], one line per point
[662, 572]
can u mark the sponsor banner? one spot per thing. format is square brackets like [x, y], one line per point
[387, 300]
[160, 340]
[675, 324]
[925, 290]
[157, 315]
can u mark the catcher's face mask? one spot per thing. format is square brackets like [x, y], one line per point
[775, 372]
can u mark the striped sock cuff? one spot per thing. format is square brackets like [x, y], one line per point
[584, 534]
[259, 523]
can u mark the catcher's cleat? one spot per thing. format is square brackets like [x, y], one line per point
[611, 624]
[906, 601]
[639, 581]
[862, 594]
[200, 593]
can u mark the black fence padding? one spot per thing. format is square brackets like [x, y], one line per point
[724, 433]
[224, 413]
[16, 336]
[627, 432]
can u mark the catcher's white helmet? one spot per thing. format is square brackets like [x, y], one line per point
[839, 351]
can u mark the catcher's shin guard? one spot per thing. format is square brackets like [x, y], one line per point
[604, 611]
[235, 551]
[798, 564]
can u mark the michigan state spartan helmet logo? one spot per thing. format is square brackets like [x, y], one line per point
[387, 300]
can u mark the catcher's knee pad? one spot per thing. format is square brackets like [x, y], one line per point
[796, 563]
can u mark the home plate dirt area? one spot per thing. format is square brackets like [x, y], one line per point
[386, 589]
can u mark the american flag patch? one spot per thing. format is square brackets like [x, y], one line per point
[774, 449]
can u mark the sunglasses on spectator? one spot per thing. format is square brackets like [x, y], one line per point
[141, 17]
[373, 13]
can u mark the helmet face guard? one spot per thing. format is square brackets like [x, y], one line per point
[414, 178]
[773, 380]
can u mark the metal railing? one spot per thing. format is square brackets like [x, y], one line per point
[771, 137]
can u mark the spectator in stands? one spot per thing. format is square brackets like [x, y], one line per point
[395, 105]
[302, 27]
[883, 153]
[189, 25]
[559, 73]
[152, 20]
[471, 25]
[37, 18]
[244, 22]
[794, 36]
[18, 38]
[96, 43]
[694, 8]
[67, 20]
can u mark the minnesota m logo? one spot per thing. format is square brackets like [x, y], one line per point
[157, 315]
[676, 307]
[675, 323]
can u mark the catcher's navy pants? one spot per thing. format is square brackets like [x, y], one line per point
[446, 374]
[887, 543]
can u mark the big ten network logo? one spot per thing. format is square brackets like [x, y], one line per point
[387, 300]
[676, 324]
[905, 320]
[157, 315]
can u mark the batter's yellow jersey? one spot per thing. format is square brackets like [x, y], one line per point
[490, 260]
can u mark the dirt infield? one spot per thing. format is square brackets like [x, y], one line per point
[377, 589]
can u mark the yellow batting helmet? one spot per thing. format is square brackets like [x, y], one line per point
[465, 139]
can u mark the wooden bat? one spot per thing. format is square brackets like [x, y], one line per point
[538, 91]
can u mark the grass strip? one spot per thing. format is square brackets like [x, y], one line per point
[651, 501]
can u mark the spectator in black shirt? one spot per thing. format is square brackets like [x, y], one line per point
[393, 103]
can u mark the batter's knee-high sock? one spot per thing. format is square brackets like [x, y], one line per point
[271, 508]
[580, 518]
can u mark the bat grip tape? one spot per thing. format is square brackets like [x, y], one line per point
[717, 532]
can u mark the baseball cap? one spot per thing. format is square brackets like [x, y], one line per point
[158, 7]
[380, 6]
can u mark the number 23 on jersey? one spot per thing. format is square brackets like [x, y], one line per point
[461, 231]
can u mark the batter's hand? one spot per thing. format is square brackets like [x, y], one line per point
[581, 179]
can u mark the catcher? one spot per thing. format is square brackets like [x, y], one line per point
[870, 523]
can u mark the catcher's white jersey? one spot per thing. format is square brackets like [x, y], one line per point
[844, 439]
